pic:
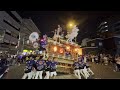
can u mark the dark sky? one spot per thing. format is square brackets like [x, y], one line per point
[47, 21]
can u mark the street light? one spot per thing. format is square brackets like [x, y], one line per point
[105, 22]
[70, 24]
[106, 30]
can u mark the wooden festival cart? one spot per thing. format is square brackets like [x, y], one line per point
[59, 49]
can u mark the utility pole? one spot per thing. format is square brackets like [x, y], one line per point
[23, 43]
[18, 46]
[19, 40]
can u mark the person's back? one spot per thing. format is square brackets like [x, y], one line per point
[117, 63]
[105, 60]
[28, 67]
[53, 65]
[118, 60]
[76, 65]
[85, 58]
[96, 59]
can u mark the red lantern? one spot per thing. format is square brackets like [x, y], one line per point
[61, 50]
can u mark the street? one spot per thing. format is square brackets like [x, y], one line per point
[101, 72]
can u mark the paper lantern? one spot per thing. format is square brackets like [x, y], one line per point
[68, 48]
[61, 50]
[33, 36]
[55, 48]
[76, 49]
[80, 51]
[35, 45]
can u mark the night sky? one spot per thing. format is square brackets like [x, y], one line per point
[47, 21]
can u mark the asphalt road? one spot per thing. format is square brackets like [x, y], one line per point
[101, 72]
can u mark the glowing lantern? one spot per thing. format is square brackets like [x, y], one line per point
[76, 49]
[55, 49]
[80, 51]
[68, 47]
[61, 50]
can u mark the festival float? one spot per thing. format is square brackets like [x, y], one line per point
[66, 51]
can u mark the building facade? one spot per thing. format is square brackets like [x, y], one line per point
[10, 31]
[14, 30]
[112, 45]
[27, 27]
[109, 30]
[94, 46]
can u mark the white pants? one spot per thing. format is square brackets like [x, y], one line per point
[39, 75]
[33, 74]
[92, 59]
[81, 72]
[77, 73]
[89, 70]
[27, 75]
[47, 75]
[53, 74]
[85, 73]
[1, 76]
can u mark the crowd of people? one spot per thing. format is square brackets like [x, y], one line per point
[36, 67]
[7, 60]
[82, 68]
[4, 66]
[105, 59]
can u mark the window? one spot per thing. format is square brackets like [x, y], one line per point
[117, 29]
[6, 41]
[1, 32]
[13, 16]
[117, 24]
[1, 35]
[118, 42]
[14, 35]
[92, 44]
[100, 43]
[8, 33]
[10, 25]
